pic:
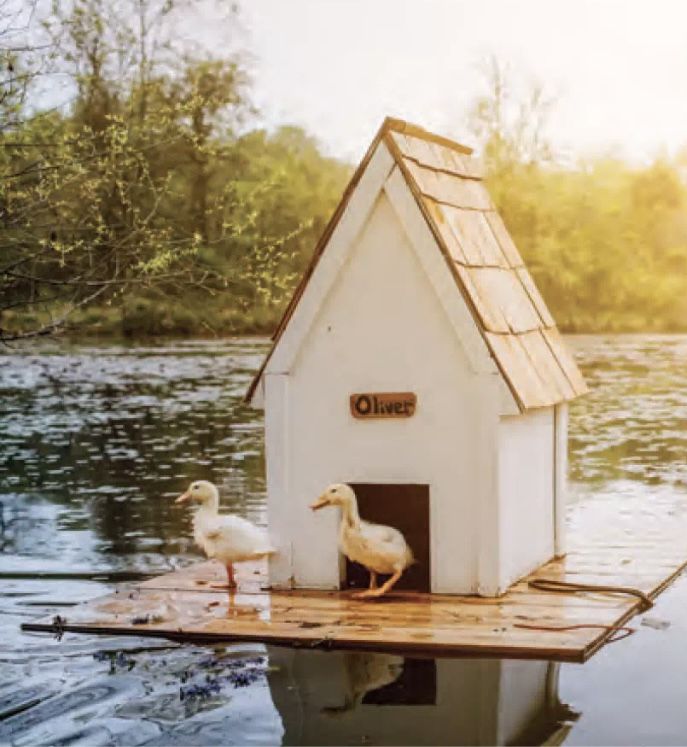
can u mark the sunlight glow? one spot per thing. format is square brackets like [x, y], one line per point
[339, 66]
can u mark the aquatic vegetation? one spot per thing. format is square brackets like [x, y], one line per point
[241, 673]
[243, 679]
[200, 690]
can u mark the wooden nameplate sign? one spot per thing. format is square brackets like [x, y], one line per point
[383, 405]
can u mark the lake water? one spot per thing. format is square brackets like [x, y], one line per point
[96, 440]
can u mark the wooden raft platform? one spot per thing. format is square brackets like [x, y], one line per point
[612, 541]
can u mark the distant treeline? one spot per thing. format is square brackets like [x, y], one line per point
[156, 203]
[605, 242]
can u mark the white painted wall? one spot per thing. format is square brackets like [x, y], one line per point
[526, 492]
[561, 478]
[279, 510]
[382, 328]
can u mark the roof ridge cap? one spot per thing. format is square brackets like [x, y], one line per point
[392, 124]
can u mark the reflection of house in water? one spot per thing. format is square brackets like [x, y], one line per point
[352, 697]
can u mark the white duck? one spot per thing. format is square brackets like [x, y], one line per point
[379, 548]
[229, 539]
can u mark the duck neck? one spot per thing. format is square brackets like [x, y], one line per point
[350, 518]
[210, 505]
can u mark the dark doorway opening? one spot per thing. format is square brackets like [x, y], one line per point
[405, 507]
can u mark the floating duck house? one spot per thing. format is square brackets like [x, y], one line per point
[418, 363]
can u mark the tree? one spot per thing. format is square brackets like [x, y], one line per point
[150, 196]
[88, 198]
[510, 118]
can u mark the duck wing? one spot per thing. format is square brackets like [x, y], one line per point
[239, 533]
[382, 535]
[385, 545]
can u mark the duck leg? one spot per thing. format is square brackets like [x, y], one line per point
[378, 592]
[372, 586]
[231, 580]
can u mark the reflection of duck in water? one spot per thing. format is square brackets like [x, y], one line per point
[366, 672]
[379, 548]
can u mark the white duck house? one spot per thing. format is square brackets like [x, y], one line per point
[418, 363]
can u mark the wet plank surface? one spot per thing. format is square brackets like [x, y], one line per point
[624, 542]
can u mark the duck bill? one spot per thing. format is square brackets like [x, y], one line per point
[184, 498]
[321, 502]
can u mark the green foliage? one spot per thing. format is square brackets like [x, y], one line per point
[151, 197]
[605, 243]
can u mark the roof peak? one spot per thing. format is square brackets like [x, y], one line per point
[408, 128]
[505, 306]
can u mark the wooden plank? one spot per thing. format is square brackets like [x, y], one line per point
[347, 622]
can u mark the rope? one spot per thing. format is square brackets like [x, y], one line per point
[618, 632]
[622, 629]
[550, 584]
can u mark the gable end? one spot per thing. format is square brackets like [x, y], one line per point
[506, 307]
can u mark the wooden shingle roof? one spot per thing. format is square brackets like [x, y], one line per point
[486, 265]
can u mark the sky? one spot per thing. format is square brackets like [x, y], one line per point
[338, 67]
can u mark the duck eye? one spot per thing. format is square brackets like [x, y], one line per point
[195, 487]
